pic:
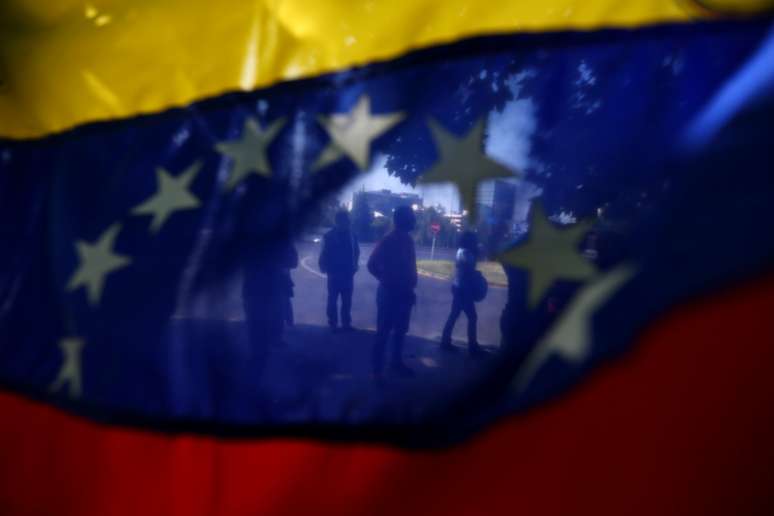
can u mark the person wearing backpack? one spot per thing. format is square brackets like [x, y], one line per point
[468, 287]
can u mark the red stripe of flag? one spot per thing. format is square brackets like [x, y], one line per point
[683, 425]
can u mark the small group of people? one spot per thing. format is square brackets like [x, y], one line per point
[393, 264]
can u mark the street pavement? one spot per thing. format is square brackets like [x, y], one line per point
[428, 316]
[314, 376]
[309, 303]
[314, 373]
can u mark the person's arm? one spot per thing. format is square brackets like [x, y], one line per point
[375, 261]
[464, 257]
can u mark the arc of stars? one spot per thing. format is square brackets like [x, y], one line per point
[571, 337]
[97, 260]
[70, 370]
[352, 133]
[549, 254]
[249, 151]
[462, 161]
[172, 195]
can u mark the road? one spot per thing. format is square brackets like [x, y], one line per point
[316, 374]
[429, 314]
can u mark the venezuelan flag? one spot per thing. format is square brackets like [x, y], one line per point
[168, 169]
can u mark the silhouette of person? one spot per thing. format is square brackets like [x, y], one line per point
[393, 263]
[267, 290]
[463, 288]
[339, 259]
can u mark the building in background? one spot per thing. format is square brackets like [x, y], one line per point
[496, 200]
[372, 211]
[456, 220]
[383, 202]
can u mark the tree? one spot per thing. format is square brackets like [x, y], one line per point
[447, 234]
[474, 94]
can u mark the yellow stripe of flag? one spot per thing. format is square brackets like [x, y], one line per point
[66, 62]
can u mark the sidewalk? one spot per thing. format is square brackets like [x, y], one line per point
[316, 376]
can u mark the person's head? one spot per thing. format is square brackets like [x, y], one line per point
[342, 219]
[404, 219]
[469, 241]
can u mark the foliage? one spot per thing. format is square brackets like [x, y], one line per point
[447, 236]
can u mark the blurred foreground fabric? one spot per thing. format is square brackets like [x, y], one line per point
[162, 167]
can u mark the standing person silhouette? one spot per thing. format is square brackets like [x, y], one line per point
[393, 262]
[339, 259]
[463, 288]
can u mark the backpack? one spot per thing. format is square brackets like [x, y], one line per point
[479, 286]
